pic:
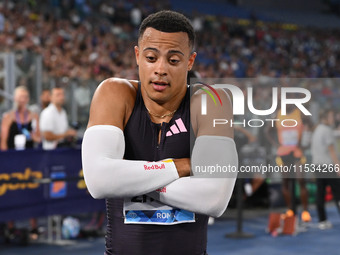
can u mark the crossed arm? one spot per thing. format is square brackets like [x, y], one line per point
[108, 175]
[206, 193]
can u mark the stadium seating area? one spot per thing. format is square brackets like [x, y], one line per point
[94, 39]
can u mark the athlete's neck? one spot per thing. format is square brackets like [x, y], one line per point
[163, 111]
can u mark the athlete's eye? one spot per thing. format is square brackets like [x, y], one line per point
[150, 59]
[173, 61]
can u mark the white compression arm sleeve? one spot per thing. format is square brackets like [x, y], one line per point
[107, 175]
[204, 194]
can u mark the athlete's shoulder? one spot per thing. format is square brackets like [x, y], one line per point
[115, 91]
[112, 102]
[118, 86]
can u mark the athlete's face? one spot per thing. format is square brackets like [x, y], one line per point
[164, 60]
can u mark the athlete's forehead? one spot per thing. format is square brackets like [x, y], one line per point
[158, 40]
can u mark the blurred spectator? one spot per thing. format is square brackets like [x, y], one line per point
[325, 158]
[54, 124]
[136, 16]
[45, 99]
[20, 122]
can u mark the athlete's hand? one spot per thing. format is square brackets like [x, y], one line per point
[183, 166]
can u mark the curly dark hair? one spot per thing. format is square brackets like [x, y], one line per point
[169, 22]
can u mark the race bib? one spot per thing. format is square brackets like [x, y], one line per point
[146, 210]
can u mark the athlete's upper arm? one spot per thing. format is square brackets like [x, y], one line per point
[106, 174]
[204, 124]
[112, 102]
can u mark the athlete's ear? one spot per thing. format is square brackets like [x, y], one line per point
[137, 54]
[191, 60]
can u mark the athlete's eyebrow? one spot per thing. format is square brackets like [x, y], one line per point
[150, 48]
[170, 51]
[176, 52]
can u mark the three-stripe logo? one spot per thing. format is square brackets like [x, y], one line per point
[177, 128]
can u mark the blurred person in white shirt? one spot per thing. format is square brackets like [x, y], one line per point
[53, 122]
[326, 164]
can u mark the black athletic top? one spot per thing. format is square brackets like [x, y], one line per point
[141, 143]
[15, 129]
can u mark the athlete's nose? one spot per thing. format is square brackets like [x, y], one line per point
[161, 67]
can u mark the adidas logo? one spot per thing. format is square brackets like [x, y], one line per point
[177, 128]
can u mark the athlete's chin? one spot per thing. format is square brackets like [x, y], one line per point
[159, 97]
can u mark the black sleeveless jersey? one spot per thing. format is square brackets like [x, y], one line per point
[141, 143]
[15, 130]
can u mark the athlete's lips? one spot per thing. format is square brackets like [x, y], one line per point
[159, 85]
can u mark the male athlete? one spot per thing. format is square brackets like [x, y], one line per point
[136, 150]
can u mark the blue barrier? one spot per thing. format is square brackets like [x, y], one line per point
[21, 199]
